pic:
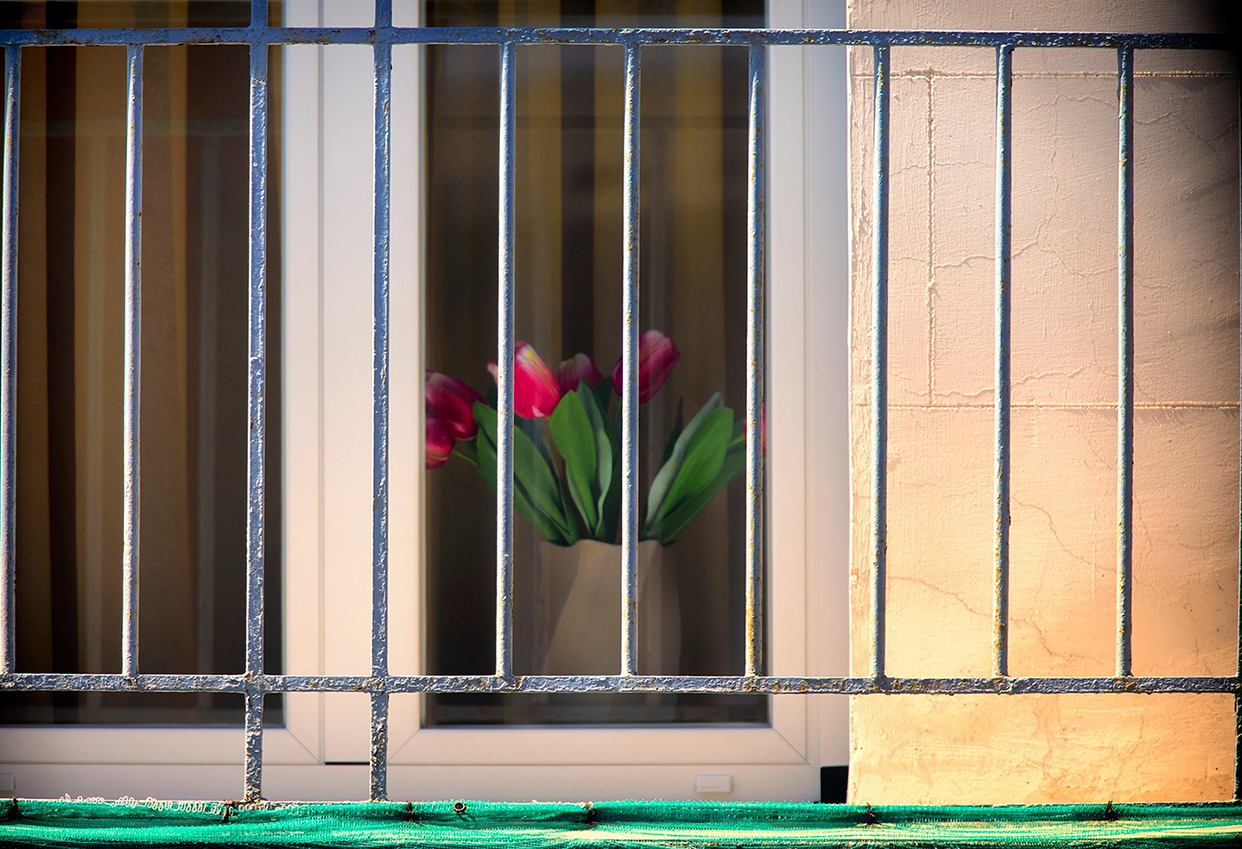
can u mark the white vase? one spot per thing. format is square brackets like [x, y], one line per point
[577, 615]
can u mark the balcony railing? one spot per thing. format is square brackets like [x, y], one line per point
[253, 682]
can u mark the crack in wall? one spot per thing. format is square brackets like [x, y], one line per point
[1052, 528]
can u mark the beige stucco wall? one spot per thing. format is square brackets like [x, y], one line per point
[1064, 343]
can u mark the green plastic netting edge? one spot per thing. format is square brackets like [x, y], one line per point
[612, 824]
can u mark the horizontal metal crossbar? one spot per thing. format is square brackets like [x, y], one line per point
[595, 35]
[772, 685]
[380, 684]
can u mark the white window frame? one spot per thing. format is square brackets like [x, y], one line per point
[321, 750]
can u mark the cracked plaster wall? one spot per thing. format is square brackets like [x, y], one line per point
[1064, 372]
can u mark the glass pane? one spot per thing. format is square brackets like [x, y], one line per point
[194, 364]
[568, 296]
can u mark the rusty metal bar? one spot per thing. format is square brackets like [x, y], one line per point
[756, 217]
[1000, 580]
[774, 685]
[629, 354]
[879, 364]
[380, 399]
[1125, 354]
[505, 366]
[256, 403]
[8, 358]
[133, 364]
[616, 35]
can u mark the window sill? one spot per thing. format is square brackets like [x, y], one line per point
[614, 824]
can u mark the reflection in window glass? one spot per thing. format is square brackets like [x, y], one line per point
[194, 331]
[568, 296]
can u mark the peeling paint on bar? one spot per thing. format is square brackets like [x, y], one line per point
[879, 363]
[8, 358]
[379, 747]
[1000, 581]
[256, 404]
[773, 685]
[131, 487]
[590, 35]
[756, 215]
[253, 766]
[629, 357]
[380, 400]
[1125, 354]
[505, 334]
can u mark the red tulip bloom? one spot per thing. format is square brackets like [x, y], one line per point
[575, 370]
[535, 389]
[452, 402]
[656, 355]
[440, 442]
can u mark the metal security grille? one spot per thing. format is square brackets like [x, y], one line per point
[254, 682]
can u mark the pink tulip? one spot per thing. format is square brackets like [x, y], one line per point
[575, 370]
[656, 355]
[452, 402]
[535, 390]
[440, 442]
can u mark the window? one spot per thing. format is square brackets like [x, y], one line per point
[569, 279]
[193, 530]
[321, 170]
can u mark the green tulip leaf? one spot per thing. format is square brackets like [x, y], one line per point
[676, 520]
[602, 393]
[486, 455]
[668, 472]
[678, 424]
[533, 430]
[531, 472]
[703, 460]
[612, 494]
[603, 458]
[530, 427]
[575, 439]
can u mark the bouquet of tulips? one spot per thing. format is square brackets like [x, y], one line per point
[574, 492]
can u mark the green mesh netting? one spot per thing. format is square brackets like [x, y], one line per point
[614, 824]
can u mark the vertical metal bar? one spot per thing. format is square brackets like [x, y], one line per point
[256, 399]
[504, 369]
[1237, 699]
[1125, 352]
[379, 444]
[1004, 138]
[254, 747]
[629, 355]
[755, 318]
[879, 365]
[133, 363]
[379, 746]
[8, 356]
